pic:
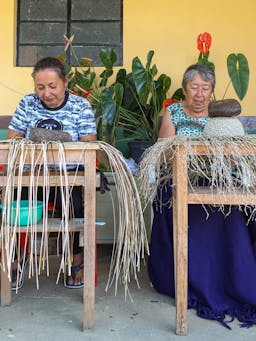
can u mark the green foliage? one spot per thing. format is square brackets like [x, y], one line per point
[128, 107]
[143, 77]
[108, 59]
[238, 70]
[134, 102]
[204, 59]
[178, 94]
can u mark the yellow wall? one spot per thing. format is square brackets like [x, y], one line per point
[170, 28]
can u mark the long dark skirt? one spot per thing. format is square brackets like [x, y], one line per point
[222, 262]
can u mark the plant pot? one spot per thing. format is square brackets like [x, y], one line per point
[137, 148]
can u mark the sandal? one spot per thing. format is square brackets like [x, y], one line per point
[74, 270]
[18, 285]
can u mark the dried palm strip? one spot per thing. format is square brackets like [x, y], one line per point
[226, 170]
[16, 153]
[131, 240]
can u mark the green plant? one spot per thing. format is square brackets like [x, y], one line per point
[127, 108]
[139, 101]
[237, 66]
[83, 81]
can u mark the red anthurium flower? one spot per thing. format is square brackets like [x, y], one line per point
[68, 41]
[74, 92]
[169, 101]
[85, 92]
[204, 41]
[87, 59]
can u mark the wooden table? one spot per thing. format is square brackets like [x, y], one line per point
[85, 154]
[182, 197]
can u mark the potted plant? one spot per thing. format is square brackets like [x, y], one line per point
[134, 102]
[237, 66]
[126, 109]
[83, 81]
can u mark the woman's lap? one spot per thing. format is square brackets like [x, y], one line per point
[222, 259]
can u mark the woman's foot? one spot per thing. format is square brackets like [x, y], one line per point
[18, 274]
[76, 280]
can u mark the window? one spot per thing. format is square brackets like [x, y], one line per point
[41, 25]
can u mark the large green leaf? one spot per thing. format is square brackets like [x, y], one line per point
[92, 77]
[149, 58]
[153, 71]
[130, 99]
[121, 77]
[105, 76]
[118, 95]
[111, 99]
[108, 57]
[143, 77]
[108, 105]
[162, 85]
[84, 81]
[238, 70]
[121, 144]
[178, 94]
[139, 134]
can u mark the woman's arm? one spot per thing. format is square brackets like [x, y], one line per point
[100, 154]
[12, 134]
[167, 128]
[88, 138]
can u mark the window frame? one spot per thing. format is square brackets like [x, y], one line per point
[68, 24]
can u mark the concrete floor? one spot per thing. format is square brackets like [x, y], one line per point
[55, 313]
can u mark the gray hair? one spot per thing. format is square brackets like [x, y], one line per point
[206, 73]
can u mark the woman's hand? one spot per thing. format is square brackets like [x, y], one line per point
[12, 134]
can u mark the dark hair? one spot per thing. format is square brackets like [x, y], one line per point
[50, 63]
[204, 71]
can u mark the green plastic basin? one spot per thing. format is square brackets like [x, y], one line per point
[25, 216]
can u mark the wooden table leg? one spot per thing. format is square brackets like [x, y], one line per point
[6, 293]
[180, 231]
[89, 238]
[5, 284]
